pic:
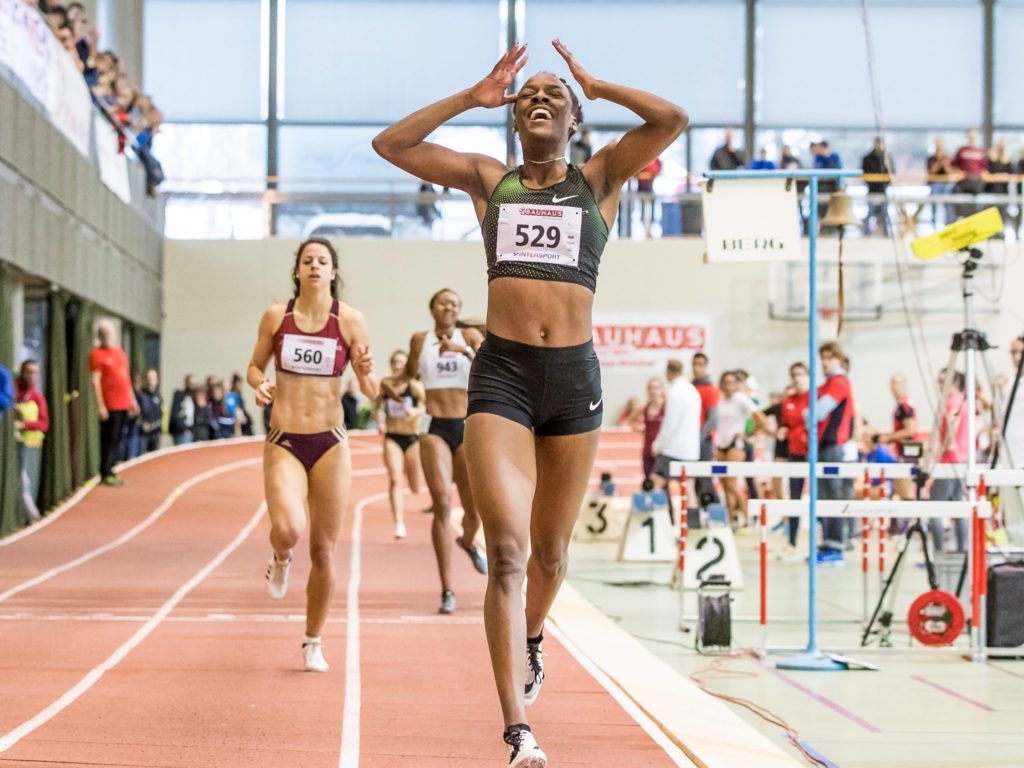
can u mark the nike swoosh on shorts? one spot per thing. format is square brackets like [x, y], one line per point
[594, 406]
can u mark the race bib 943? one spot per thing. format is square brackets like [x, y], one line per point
[548, 234]
[308, 354]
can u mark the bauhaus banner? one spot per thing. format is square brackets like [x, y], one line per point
[642, 342]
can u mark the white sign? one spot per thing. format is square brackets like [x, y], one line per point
[602, 518]
[711, 552]
[35, 56]
[112, 162]
[751, 220]
[649, 538]
[642, 342]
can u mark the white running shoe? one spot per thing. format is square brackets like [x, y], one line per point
[277, 577]
[534, 672]
[313, 651]
[523, 750]
[400, 530]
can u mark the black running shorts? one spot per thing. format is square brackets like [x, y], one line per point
[551, 390]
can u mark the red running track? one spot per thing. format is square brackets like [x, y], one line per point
[136, 631]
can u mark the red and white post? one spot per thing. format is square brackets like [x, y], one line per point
[764, 577]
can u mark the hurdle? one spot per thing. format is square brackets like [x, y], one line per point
[869, 509]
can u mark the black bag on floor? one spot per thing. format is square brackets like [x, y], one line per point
[1005, 605]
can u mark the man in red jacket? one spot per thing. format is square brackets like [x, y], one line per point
[834, 411]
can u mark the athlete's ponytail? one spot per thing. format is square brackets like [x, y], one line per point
[336, 283]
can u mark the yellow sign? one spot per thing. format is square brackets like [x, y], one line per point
[960, 234]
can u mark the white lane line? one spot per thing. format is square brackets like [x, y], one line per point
[155, 515]
[367, 472]
[90, 484]
[242, 618]
[349, 757]
[13, 737]
[642, 718]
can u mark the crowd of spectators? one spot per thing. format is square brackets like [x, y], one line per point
[113, 89]
[133, 417]
[210, 410]
[733, 421]
[972, 170]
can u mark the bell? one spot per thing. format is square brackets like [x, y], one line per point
[840, 211]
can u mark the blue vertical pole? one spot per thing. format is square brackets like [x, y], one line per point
[812, 427]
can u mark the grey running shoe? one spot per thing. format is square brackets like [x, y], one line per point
[277, 577]
[447, 602]
[475, 555]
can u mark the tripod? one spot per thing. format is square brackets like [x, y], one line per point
[970, 342]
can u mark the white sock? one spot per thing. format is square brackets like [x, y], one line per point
[307, 640]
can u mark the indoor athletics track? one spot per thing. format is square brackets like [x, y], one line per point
[136, 631]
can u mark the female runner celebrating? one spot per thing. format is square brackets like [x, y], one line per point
[306, 460]
[401, 419]
[535, 390]
[441, 359]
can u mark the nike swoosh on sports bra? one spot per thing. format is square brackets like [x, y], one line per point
[556, 233]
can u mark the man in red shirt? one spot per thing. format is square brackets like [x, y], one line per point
[972, 161]
[904, 428]
[709, 395]
[645, 188]
[115, 397]
[952, 450]
[834, 410]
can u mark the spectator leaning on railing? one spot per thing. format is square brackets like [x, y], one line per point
[877, 163]
[108, 81]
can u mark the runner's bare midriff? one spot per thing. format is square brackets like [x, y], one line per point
[307, 404]
[448, 403]
[541, 313]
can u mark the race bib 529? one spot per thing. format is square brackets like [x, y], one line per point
[548, 234]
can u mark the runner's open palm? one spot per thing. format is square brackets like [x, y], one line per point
[491, 91]
[585, 79]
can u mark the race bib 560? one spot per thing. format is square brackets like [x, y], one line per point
[308, 354]
[549, 234]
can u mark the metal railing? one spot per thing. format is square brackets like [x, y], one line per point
[389, 208]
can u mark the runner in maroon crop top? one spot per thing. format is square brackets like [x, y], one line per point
[306, 457]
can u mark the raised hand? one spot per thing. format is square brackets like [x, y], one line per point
[491, 91]
[587, 82]
[362, 361]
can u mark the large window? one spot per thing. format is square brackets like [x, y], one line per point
[342, 159]
[814, 66]
[1009, 62]
[344, 69]
[365, 61]
[690, 52]
[204, 59]
[213, 158]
